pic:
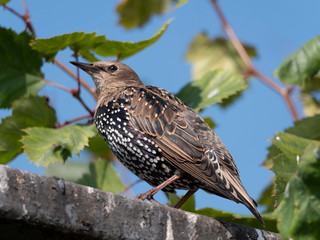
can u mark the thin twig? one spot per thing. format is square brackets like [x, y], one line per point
[73, 75]
[251, 69]
[57, 85]
[74, 120]
[27, 19]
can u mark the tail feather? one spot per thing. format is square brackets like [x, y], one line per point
[243, 197]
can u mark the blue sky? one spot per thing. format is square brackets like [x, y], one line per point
[274, 28]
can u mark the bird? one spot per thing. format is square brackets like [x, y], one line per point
[160, 139]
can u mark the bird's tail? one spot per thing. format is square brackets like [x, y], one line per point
[243, 197]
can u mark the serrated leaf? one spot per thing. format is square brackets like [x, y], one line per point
[45, 146]
[307, 128]
[270, 223]
[19, 67]
[209, 54]
[136, 13]
[299, 212]
[103, 176]
[291, 145]
[88, 43]
[302, 64]
[80, 41]
[31, 111]
[266, 198]
[287, 162]
[212, 88]
[126, 49]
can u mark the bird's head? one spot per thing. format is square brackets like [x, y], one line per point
[108, 75]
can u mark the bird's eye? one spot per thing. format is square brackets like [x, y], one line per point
[113, 68]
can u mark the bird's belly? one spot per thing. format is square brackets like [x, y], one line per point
[139, 153]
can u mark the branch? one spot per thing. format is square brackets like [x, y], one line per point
[251, 69]
[58, 86]
[74, 120]
[25, 17]
[73, 75]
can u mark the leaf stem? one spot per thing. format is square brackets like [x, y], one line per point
[251, 69]
[74, 120]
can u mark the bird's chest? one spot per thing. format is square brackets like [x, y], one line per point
[137, 151]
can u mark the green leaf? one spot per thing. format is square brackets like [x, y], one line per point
[270, 223]
[99, 147]
[4, 2]
[88, 43]
[266, 198]
[306, 128]
[180, 3]
[302, 64]
[45, 146]
[136, 13]
[212, 88]
[19, 67]
[126, 49]
[210, 122]
[299, 212]
[209, 54]
[31, 111]
[70, 171]
[80, 41]
[287, 163]
[103, 176]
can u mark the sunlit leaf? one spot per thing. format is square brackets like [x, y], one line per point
[126, 49]
[45, 146]
[212, 88]
[207, 54]
[31, 111]
[80, 41]
[307, 128]
[180, 3]
[103, 176]
[298, 213]
[88, 43]
[19, 67]
[136, 13]
[302, 64]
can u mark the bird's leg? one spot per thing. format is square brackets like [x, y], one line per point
[185, 198]
[149, 195]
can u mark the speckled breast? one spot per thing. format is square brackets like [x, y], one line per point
[136, 151]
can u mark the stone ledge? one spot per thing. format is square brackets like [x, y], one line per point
[36, 207]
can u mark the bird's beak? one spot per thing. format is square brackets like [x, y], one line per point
[87, 67]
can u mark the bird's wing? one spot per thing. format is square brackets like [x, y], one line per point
[183, 137]
[188, 142]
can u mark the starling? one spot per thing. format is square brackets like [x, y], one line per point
[160, 139]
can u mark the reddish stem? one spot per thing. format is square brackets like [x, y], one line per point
[251, 69]
[73, 75]
[74, 120]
